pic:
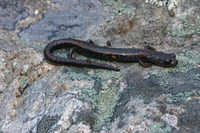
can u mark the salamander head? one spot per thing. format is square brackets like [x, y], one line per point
[163, 59]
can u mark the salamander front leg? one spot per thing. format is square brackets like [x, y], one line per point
[144, 64]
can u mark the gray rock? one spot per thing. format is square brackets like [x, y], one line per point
[39, 97]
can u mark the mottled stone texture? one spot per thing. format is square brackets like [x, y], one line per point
[11, 12]
[38, 97]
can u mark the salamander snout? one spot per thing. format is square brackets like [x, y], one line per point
[174, 63]
[173, 60]
[164, 60]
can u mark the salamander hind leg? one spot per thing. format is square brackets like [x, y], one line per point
[149, 48]
[90, 41]
[70, 52]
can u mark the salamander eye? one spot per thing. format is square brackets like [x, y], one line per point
[168, 60]
[173, 55]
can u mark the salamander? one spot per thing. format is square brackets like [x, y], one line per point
[145, 57]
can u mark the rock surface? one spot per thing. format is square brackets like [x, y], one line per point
[39, 97]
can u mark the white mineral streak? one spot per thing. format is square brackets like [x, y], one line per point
[171, 3]
[171, 120]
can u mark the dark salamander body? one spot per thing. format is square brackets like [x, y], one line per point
[89, 49]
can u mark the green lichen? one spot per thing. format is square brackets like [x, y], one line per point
[163, 83]
[190, 25]
[160, 127]
[61, 53]
[23, 80]
[197, 77]
[119, 7]
[36, 46]
[104, 103]
[186, 63]
[198, 92]
[181, 96]
[102, 74]
[103, 95]
[144, 11]
[74, 75]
